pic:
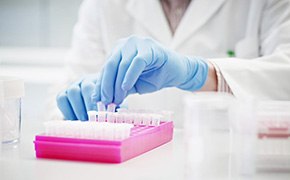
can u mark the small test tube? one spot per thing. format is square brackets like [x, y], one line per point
[92, 115]
[127, 118]
[137, 119]
[101, 106]
[111, 107]
[102, 116]
[111, 117]
[142, 119]
[156, 118]
[119, 117]
[146, 119]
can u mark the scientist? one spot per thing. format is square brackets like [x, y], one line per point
[236, 46]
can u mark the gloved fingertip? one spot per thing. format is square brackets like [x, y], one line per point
[125, 86]
[94, 98]
[106, 99]
[106, 102]
[118, 102]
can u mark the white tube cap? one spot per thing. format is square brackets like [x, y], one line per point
[11, 87]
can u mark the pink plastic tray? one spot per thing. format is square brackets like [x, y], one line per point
[141, 140]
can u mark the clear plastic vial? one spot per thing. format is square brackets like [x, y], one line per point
[273, 138]
[207, 135]
[11, 92]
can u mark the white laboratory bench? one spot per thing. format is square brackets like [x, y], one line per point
[165, 162]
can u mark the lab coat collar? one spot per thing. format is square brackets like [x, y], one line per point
[150, 14]
[197, 14]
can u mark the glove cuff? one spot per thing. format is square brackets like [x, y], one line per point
[197, 70]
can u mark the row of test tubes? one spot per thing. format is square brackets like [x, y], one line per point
[136, 117]
[80, 129]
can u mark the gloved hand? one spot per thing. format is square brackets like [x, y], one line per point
[76, 100]
[141, 65]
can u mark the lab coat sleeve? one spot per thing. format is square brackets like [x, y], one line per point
[222, 85]
[268, 76]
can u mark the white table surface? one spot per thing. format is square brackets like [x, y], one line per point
[165, 162]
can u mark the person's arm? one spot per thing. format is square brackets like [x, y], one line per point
[142, 65]
[266, 77]
[211, 83]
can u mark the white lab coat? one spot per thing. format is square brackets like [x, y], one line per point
[257, 30]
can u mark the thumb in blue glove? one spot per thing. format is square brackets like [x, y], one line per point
[141, 65]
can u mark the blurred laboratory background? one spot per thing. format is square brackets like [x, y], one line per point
[34, 38]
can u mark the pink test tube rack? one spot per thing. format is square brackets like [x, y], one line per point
[141, 140]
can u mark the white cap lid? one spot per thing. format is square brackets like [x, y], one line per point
[11, 87]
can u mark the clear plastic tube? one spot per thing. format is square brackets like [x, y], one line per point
[92, 115]
[111, 107]
[102, 116]
[101, 106]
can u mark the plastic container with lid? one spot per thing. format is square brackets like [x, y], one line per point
[261, 144]
[207, 135]
[273, 138]
[231, 138]
[11, 92]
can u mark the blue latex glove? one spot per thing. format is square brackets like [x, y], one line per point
[76, 100]
[141, 65]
